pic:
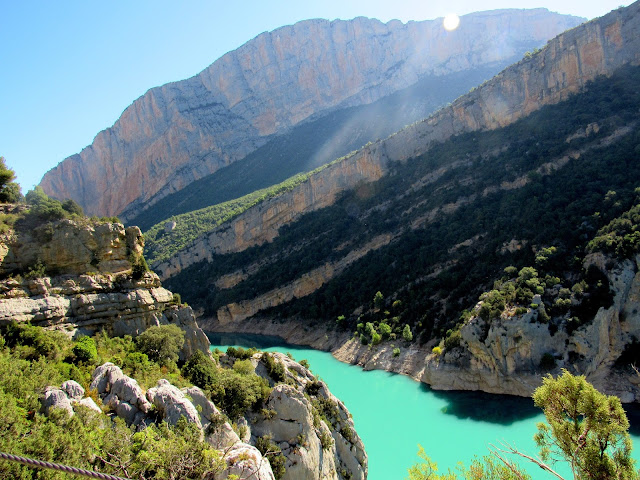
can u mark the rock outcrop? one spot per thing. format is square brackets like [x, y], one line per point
[312, 428]
[508, 358]
[89, 285]
[182, 131]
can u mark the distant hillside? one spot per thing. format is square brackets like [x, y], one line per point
[438, 229]
[317, 142]
[184, 131]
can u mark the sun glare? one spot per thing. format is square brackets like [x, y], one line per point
[451, 22]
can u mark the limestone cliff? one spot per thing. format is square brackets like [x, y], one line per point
[561, 68]
[180, 132]
[76, 276]
[311, 427]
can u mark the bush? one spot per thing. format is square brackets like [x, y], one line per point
[276, 459]
[200, 370]
[243, 367]
[406, 333]
[241, 353]
[275, 369]
[396, 352]
[161, 344]
[85, 349]
[236, 393]
[453, 340]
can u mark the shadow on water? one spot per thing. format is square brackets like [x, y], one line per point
[246, 340]
[633, 414]
[485, 407]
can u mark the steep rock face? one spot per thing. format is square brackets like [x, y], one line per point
[261, 223]
[71, 247]
[508, 358]
[92, 288]
[504, 357]
[595, 48]
[311, 426]
[182, 131]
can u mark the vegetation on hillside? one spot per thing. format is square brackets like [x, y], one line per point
[32, 359]
[315, 143]
[499, 198]
[585, 429]
[161, 245]
[9, 190]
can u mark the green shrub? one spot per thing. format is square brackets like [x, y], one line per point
[273, 453]
[312, 388]
[453, 340]
[406, 333]
[236, 393]
[241, 353]
[161, 343]
[200, 370]
[85, 349]
[326, 440]
[275, 369]
[396, 352]
[243, 367]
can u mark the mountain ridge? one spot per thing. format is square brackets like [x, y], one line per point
[158, 135]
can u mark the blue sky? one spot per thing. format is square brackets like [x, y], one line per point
[70, 68]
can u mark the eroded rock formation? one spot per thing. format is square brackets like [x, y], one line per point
[89, 285]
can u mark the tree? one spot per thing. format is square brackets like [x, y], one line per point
[406, 333]
[585, 427]
[161, 344]
[200, 369]
[378, 300]
[85, 349]
[9, 190]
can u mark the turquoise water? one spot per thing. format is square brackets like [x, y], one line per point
[393, 414]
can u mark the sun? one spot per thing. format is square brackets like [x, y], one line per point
[451, 22]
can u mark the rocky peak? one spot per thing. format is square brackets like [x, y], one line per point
[183, 131]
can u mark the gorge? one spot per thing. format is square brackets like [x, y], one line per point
[458, 207]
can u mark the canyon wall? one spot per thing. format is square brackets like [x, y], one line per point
[503, 357]
[561, 68]
[183, 131]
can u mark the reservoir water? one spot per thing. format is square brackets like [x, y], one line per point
[393, 414]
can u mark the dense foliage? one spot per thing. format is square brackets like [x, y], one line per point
[459, 215]
[32, 359]
[9, 190]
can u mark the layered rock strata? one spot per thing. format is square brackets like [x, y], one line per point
[182, 131]
[564, 66]
[93, 287]
[503, 357]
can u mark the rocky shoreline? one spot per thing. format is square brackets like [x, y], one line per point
[503, 357]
